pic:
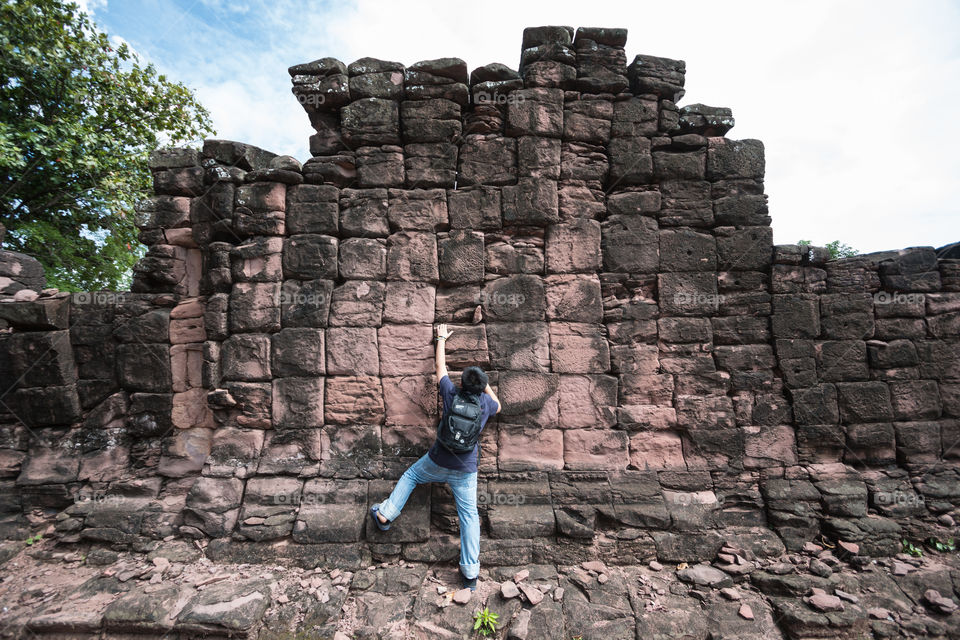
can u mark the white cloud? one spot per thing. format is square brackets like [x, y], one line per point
[854, 101]
[90, 6]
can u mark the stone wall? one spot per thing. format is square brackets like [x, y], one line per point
[670, 378]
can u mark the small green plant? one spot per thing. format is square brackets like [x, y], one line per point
[485, 622]
[912, 549]
[943, 547]
[32, 539]
[836, 248]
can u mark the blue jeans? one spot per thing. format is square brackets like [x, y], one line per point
[464, 487]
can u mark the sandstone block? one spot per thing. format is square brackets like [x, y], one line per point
[406, 349]
[578, 348]
[352, 351]
[357, 303]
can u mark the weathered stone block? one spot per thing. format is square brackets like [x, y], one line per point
[915, 400]
[352, 351]
[519, 346]
[312, 209]
[417, 209]
[488, 160]
[474, 208]
[689, 294]
[297, 403]
[706, 413]
[144, 367]
[381, 166]
[352, 400]
[676, 165]
[538, 157]
[310, 256]
[589, 449]
[578, 348]
[530, 449]
[331, 511]
[461, 257]
[305, 303]
[357, 303]
[431, 164]
[640, 359]
[412, 256]
[521, 521]
[408, 302]
[870, 444]
[410, 401]
[574, 298]
[744, 249]
[795, 316]
[537, 112]
[587, 401]
[630, 244]
[257, 260]
[406, 349]
[734, 159]
[531, 394]
[652, 389]
[816, 405]
[918, 442]
[363, 259]
[514, 298]
[255, 307]
[531, 201]
[370, 121]
[573, 247]
[864, 402]
[246, 357]
[656, 450]
[687, 250]
[363, 212]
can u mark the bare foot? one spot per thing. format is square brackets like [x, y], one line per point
[381, 518]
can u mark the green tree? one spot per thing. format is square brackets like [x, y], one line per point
[836, 248]
[78, 118]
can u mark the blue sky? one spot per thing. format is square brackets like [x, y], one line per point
[856, 102]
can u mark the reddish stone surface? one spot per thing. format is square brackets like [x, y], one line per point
[406, 349]
[607, 259]
[578, 348]
[656, 450]
[353, 399]
[585, 449]
[522, 449]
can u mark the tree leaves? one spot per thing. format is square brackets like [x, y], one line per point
[78, 118]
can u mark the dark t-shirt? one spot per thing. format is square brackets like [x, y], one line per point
[465, 461]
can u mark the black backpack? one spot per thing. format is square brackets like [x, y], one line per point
[460, 427]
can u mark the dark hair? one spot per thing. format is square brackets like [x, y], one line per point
[473, 380]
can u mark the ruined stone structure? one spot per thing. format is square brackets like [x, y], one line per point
[670, 378]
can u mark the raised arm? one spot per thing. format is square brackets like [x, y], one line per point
[490, 393]
[442, 335]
